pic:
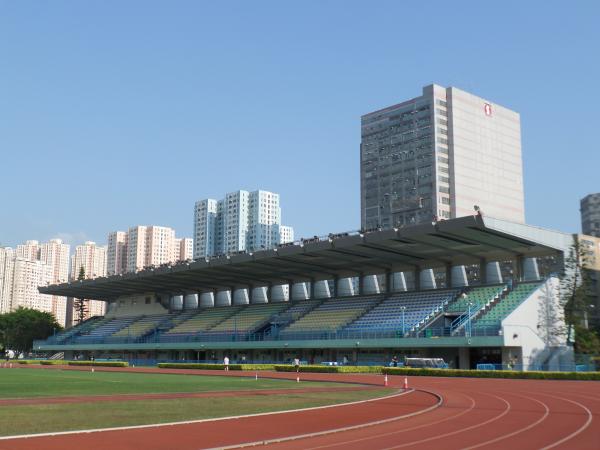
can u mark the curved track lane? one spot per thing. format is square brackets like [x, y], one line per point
[474, 414]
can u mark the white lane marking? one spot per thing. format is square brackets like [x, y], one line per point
[521, 430]
[188, 422]
[335, 430]
[576, 432]
[391, 433]
[433, 438]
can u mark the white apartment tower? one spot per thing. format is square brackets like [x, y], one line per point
[19, 282]
[241, 221]
[116, 253]
[56, 255]
[437, 156]
[184, 249]
[93, 260]
[142, 246]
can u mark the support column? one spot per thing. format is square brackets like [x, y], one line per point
[493, 275]
[207, 300]
[417, 279]
[223, 298]
[334, 294]
[530, 269]
[344, 287]
[321, 289]
[371, 285]
[388, 282]
[427, 279]
[299, 291]
[458, 276]
[240, 297]
[176, 302]
[361, 287]
[259, 295]
[518, 268]
[448, 275]
[399, 282]
[190, 301]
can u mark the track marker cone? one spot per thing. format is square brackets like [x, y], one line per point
[405, 386]
[256, 376]
[297, 378]
[92, 370]
[10, 366]
[385, 380]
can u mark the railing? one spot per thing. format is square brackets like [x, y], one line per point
[166, 338]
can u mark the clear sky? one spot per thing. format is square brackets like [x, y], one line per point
[118, 113]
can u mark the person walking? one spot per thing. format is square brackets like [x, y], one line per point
[297, 364]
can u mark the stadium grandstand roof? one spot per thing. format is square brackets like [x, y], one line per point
[465, 240]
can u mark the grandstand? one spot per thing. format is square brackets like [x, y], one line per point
[492, 317]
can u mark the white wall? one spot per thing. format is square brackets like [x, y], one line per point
[520, 328]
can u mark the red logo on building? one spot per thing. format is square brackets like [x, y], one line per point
[488, 109]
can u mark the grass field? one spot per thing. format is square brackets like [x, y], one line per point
[20, 383]
[39, 418]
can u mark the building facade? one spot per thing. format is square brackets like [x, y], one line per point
[116, 253]
[438, 156]
[92, 258]
[142, 246]
[19, 281]
[241, 221]
[590, 215]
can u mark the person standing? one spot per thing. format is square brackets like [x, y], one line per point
[297, 364]
[226, 363]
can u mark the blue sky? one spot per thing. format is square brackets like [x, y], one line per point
[117, 113]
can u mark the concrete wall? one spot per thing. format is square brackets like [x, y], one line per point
[523, 328]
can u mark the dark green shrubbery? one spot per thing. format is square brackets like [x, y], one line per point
[243, 367]
[493, 374]
[99, 363]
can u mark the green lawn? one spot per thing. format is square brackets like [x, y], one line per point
[18, 383]
[27, 419]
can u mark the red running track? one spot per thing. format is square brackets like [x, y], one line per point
[475, 413]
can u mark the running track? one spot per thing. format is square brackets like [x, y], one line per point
[472, 413]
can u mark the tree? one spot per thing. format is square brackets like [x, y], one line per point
[575, 287]
[80, 304]
[551, 316]
[18, 329]
[586, 341]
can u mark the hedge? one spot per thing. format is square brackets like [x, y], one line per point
[51, 362]
[216, 366]
[329, 369]
[534, 375]
[99, 363]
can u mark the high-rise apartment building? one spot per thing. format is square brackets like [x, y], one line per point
[142, 246]
[116, 253]
[29, 250]
[19, 282]
[438, 156]
[56, 255]
[241, 221]
[93, 260]
[184, 249]
[590, 215]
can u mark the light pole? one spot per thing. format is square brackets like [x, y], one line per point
[468, 330]
[403, 309]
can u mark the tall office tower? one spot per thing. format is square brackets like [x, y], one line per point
[437, 156]
[116, 253]
[183, 249]
[93, 260]
[56, 255]
[590, 215]
[241, 221]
